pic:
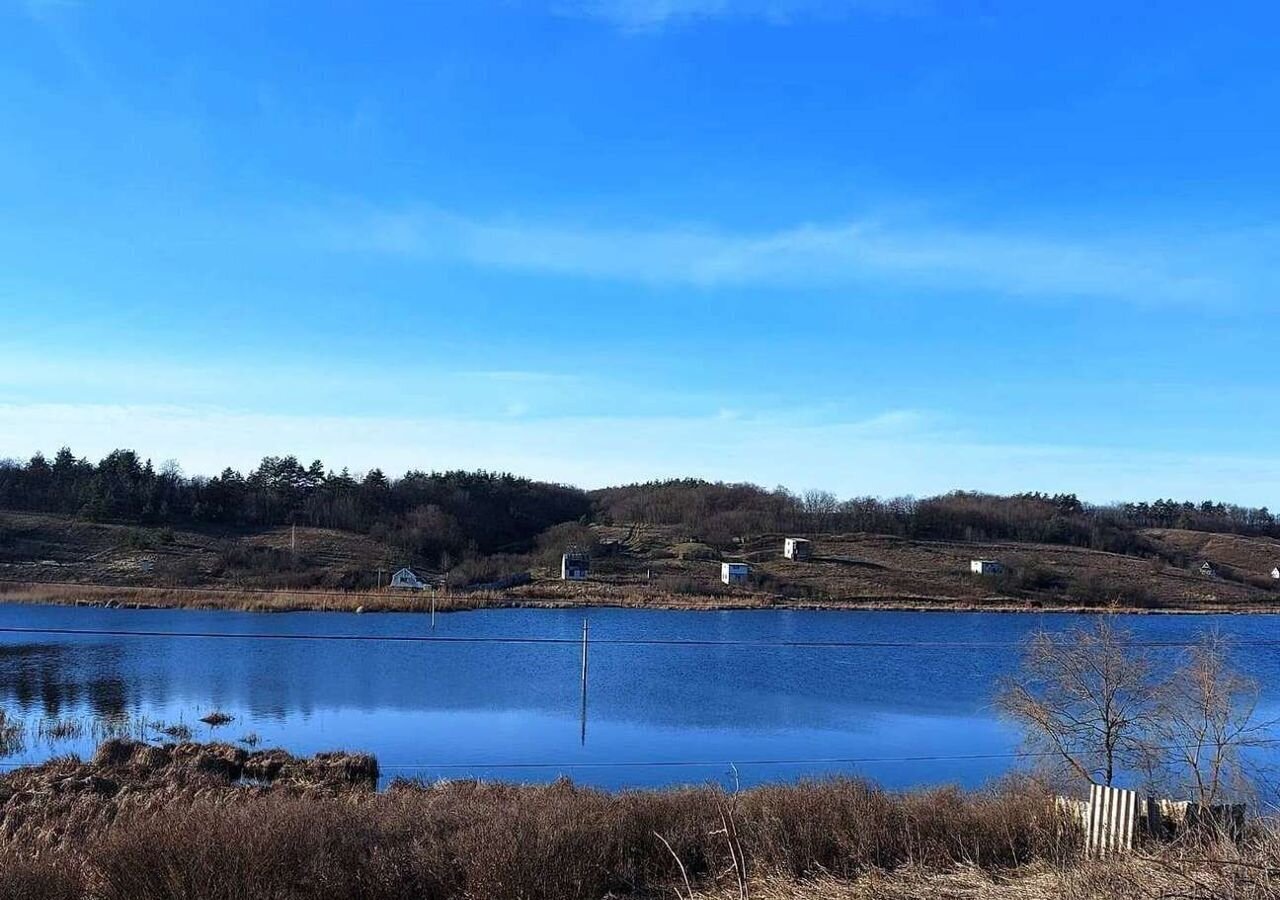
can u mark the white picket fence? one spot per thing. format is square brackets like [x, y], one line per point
[1112, 817]
[1112, 820]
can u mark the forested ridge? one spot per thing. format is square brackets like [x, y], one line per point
[721, 511]
[437, 516]
[447, 516]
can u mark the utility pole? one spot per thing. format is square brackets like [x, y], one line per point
[584, 681]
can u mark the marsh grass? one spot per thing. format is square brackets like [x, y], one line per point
[141, 822]
[150, 823]
[55, 730]
[12, 734]
[98, 729]
[178, 731]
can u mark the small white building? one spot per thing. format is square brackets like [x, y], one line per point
[797, 548]
[1275, 573]
[1206, 569]
[406, 579]
[734, 573]
[574, 566]
[986, 567]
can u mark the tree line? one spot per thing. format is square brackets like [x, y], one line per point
[441, 517]
[717, 513]
[444, 517]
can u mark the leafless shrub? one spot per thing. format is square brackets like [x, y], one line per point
[1087, 701]
[1208, 723]
[1092, 706]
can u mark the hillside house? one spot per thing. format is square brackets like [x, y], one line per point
[797, 549]
[1206, 569]
[574, 566]
[1275, 573]
[406, 579]
[986, 567]
[734, 573]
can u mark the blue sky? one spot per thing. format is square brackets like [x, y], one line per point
[884, 247]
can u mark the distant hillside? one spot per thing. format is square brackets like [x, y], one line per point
[120, 521]
[846, 569]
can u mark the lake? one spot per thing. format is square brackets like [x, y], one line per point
[746, 696]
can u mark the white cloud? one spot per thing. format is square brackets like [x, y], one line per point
[899, 452]
[1145, 269]
[649, 15]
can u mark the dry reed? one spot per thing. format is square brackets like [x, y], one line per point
[214, 821]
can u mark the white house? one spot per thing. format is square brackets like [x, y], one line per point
[407, 580]
[1206, 569]
[1275, 573]
[797, 548]
[734, 573]
[986, 567]
[574, 566]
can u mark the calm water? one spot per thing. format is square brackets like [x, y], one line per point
[510, 710]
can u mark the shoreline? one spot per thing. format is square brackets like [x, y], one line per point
[538, 596]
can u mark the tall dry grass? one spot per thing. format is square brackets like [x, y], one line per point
[148, 823]
[141, 822]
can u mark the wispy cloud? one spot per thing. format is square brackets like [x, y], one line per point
[651, 15]
[1147, 268]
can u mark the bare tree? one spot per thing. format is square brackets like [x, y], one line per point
[1086, 700]
[820, 506]
[1208, 722]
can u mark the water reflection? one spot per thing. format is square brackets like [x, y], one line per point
[477, 708]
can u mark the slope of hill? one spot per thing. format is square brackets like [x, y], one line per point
[661, 565]
[45, 548]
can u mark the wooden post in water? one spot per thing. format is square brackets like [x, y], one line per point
[584, 681]
[433, 609]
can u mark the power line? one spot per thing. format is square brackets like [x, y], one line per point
[575, 641]
[709, 763]
[679, 763]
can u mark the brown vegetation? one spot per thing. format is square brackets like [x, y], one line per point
[144, 822]
[141, 822]
[64, 560]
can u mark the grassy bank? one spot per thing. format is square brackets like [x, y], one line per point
[144, 822]
[548, 594]
[141, 822]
